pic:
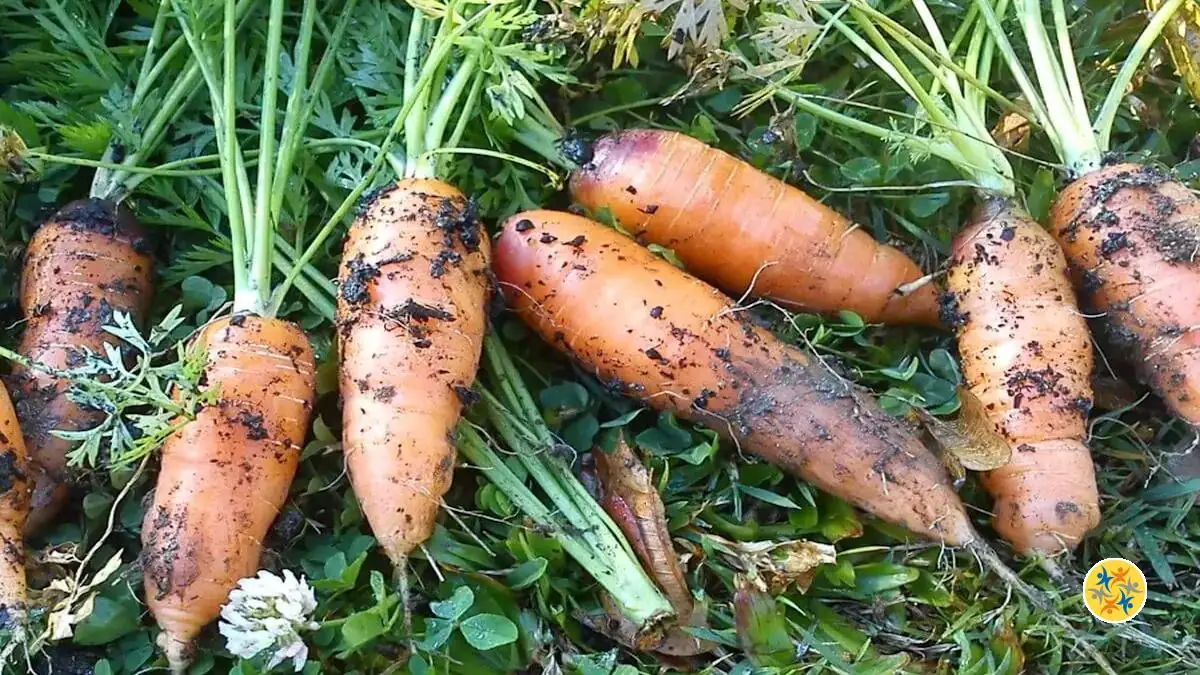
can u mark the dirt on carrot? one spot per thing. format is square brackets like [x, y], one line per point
[1132, 235]
[679, 345]
[226, 474]
[86, 262]
[412, 315]
[1027, 356]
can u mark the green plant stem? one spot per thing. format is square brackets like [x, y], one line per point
[81, 43]
[156, 34]
[1145, 42]
[262, 226]
[292, 139]
[413, 132]
[223, 110]
[606, 560]
[439, 119]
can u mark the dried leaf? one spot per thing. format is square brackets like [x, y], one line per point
[12, 155]
[1012, 132]
[971, 438]
[778, 564]
[631, 500]
[1182, 37]
[629, 497]
[61, 623]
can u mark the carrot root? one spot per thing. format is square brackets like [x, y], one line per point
[648, 329]
[226, 474]
[1026, 354]
[1132, 235]
[412, 314]
[779, 243]
[89, 260]
[14, 509]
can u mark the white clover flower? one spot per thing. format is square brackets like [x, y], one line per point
[268, 613]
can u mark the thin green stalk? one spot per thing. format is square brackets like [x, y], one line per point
[894, 27]
[293, 141]
[555, 179]
[468, 109]
[117, 186]
[314, 275]
[263, 226]
[1145, 42]
[439, 119]
[156, 34]
[414, 119]
[1067, 55]
[297, 98]
[317, 296]
[166, 169]
[226, 144]
[1024, 81]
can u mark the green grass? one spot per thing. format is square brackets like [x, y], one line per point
[891, 603]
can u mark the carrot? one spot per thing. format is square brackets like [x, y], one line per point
[1024, 346]
[1128, 231]
[88, 261]
[744, 231]
[672, 341]
[14, 509]
[1027, 356]
[412, 317]
[226, 474]
[1133, 237]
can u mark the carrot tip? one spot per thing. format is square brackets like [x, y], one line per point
[178, 652]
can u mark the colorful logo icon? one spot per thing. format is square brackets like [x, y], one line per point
[1114, 590]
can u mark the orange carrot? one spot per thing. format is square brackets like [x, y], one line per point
[1132, 235]
[645, 326]
[1027, 356]
[412, 317]
[14, 509]
[226, 474]
[742, 230]
[88, 261]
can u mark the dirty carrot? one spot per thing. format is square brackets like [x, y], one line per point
[776, 241]
[1023, 343]
[1130, 232]
[412, 309]
[86, 262]
[411, 320]
[655, 332]
[14, 510]
[1027, 355]
[226, 474]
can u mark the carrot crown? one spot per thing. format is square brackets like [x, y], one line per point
[1057, 100]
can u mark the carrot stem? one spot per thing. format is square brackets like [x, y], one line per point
[605, 557]
[1145, 42]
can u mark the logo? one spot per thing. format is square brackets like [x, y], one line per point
[1114, 590]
